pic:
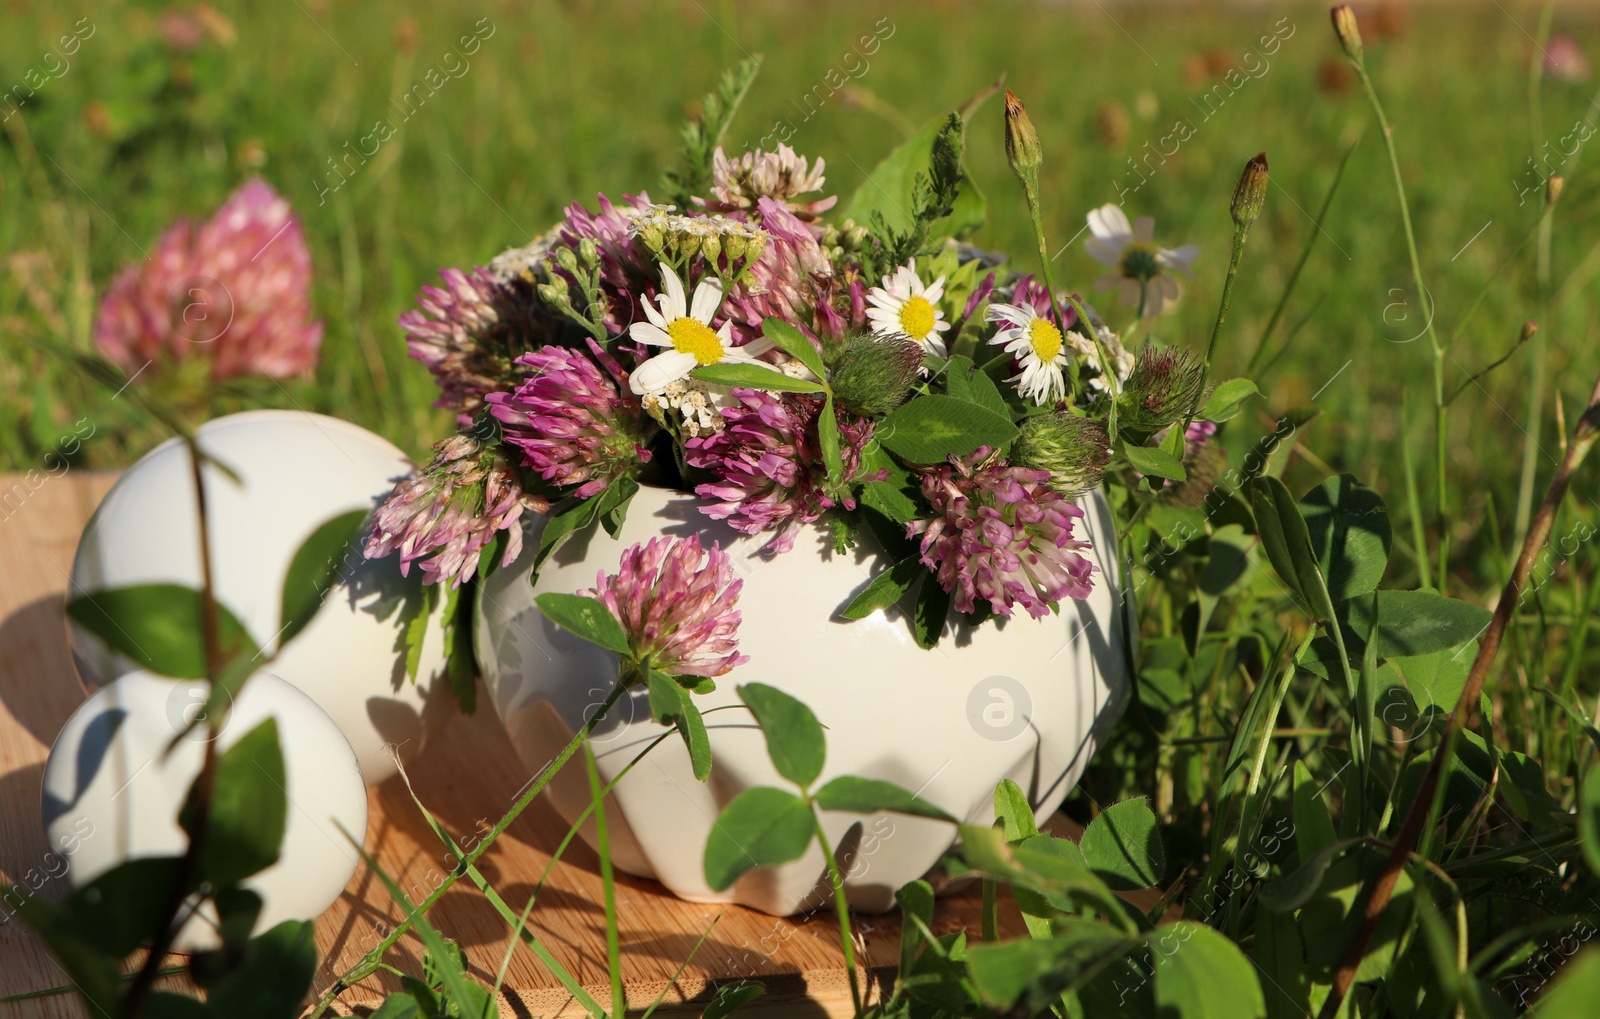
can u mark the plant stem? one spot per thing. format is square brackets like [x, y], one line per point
[205, 782]
[846, 942]
[1305, 256]
[1425, 805]
[608, 882]
[534, 789]
[1426, 301]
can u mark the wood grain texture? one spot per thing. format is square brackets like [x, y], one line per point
[468, 777]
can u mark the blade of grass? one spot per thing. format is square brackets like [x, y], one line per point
[608, 884]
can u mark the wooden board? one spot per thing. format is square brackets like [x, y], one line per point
[468, 777]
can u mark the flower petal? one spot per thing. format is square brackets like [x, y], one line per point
[673, 304]
[655, 374]
[1179, 258]
[1106, 250]
[649, 332]
[707, 299]
[1108, 222]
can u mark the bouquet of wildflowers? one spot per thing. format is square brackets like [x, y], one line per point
[787, 364]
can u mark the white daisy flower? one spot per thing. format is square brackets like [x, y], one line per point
[1138, 263]
[902, 306]
[687, 331]
[1037, 343]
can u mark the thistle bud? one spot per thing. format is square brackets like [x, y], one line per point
[1250, 194]
[1073, 449]
[1344, 26]
[872, 377]
[1166, 384]
[1022, 141]
[1552, 189]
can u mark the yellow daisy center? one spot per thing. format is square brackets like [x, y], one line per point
[1045, 340]
[916, 317]
[692, 336]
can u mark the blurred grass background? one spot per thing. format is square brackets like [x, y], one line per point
[564, 100]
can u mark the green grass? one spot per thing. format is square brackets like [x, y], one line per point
[563, 102]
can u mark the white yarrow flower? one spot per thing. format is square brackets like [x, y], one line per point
[1036, 342]
[687, 332]
[902, 306]
[1138, 263]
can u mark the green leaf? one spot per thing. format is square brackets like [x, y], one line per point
[886, 589]
[1204, 975]
[671, 704]
[399, 1006]
[567, 517]
[1349, 530]
[916, 901]
[1413, 623]
[1030, 974]
[158, 627]
[930, 429]
[929, 615]
[795, 343]
[1123, 846]
[869, 795]
[1227, 400]
[167, 1005]
[1014, 812]
[1288, 545]
[730, 997]
[794, 736]
[828, 439]
[316, 568]
[249, 809]
[1576, 990]
[613, 503]
[117, 911]
[1279, 953]
[587, 617]
[1155, 463]
[890, 191]
[963, 382]
[754, 376]
[1313, 823]
[702, 134]
[761, 827]
[274, 977]
[889, 500]
[1589, 818]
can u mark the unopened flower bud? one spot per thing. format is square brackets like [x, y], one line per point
[1344, 26]
[1022, 141]
[734, 247]
[1528, 329]
[711, 247]
[554, 294]
[588, 254]
[1074, 450]
[758, 244]
[1552, 189]
[566, 259]
[1250, 194]
[872, 377]
[1165, 385]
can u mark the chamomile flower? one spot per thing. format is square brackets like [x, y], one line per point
[902, 306]
[1038, 345]
[1140, 267]
[686, 330]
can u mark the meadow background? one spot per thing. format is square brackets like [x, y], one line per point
[152, 120]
